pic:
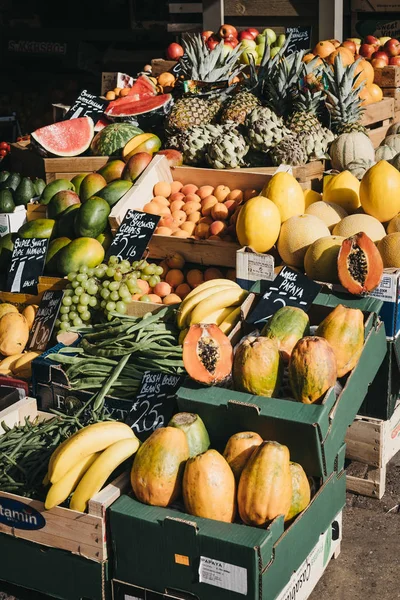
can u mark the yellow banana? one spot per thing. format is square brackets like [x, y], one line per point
[53, 456]
[88, 440]
[96, 476]
[229, 323]
[187, 307]
[182, 336]
[208, 284]
[65, 486]
[218, 316]
[227, 297]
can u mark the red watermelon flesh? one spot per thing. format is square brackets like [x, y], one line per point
[143, 88]
[101, 123]
[127, 106]
[66, 138]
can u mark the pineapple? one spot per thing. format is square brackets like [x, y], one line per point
[239, 106]
[195, 141]
[342, 98]
[290, 151]
[189, 112]
[228, 151]
[203, 65]
[305, 114]
[264, 129]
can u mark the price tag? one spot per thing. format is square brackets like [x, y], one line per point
[45, 319]
[27, 264]
[155, 402]
[289, 288]
[87, 105]
[133, 235]
[300, 38]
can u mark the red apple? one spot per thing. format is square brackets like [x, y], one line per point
[245, 35]
[381, 55]
[392, 47]
[371, 39]
[367, 50]
[174, 51]
[206, 34]
[227, 31]
[395, 61]
[253, 31]
[379, 63]
[212, 42]
[350, 45]
[232, 42]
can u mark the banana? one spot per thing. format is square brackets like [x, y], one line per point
[229, 323]
[187, 307]
[182, 336]
[96, 476]
[227, 297]
[53, 456]
[218, 316]
[88, 440]
[65, 486]
[208, 284]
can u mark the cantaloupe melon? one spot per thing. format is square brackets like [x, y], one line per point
[355, 223]
[297, 234]
[320, 261]
[328, 212]
[389, 248]
[394, 224]
[343, 189]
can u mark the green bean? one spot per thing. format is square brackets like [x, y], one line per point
[99, 401]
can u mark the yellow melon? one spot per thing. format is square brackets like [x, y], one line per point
[258, 224]
[355, 223]
[380, 191]
[285, 191]
[343, 189]
[311, 196]
[328, 212]
[320, 261]
[394, 224]
[7, 308]
[297, 234]
[389, 248]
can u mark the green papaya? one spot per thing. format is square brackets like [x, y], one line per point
[39, 228]
[66, 223]
[53, 187]
[24, 192]
[53, 254]
[6, 201]
[92, 218]
[82, 251]
[114, 191]
[4, 175]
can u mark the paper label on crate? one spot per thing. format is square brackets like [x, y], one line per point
[18, 515]
[27, 265]
[387, 289]
[223, 575]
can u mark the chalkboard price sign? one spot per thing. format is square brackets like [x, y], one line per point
[87, 105]
[133, 235]
[300, 39]
[155, 402]
[27, 264]
[289, 288]
[45, 319]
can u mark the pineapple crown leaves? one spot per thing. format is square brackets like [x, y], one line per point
[206, 65]
[278, 89]
[255, 81]
[343, 92]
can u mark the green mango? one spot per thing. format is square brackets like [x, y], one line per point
[92, 218]
[53, 187]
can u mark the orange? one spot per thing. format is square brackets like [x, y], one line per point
[324, 49]
[346, 55]
[309, 57]
[365, 96]
[366, 71]
[375, 92]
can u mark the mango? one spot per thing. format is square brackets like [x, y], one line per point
[92, 218]
[145, 142]
[39, 228]
[82, 251]
[136, 165]
[93, 183]
[174, 157]
[53, 187]
[66, 223]
[77, 181]
[114, 191]
[105, 239]
[60, 202]
[112, 170]
[52, 254]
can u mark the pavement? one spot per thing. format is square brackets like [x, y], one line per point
[369, 563]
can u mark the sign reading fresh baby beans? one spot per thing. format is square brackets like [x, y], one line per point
[45, 319]
[27, 264]
[133, 235]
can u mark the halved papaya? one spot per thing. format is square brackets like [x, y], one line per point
[360, 265]
[207, 354]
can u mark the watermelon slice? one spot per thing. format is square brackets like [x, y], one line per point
[127, 107]
[66, 138]
[101, 123]
[143, 88]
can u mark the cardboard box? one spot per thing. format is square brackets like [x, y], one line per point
[111, 80]
[253, 266]
[375, 5]
[389, 292]
[11, 222]
[203, 559]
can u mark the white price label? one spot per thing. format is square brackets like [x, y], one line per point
[223, 575]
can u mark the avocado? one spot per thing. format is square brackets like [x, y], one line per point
[39, 185]
[24, 192]
[6, 201]
[12, 181]
[4, 175]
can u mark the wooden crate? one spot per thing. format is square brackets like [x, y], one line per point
[35, 211]
[372, 442]
[159, 65]
[377, 118]
[387, 77]
[273, 8]
[79, 533]
[45, 283]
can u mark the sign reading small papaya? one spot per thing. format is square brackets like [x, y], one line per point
[18, 515]
[27, 265]
[133, 235]
[289, 288]
[45, 319]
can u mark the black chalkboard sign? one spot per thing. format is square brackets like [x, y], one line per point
[27, 264]
[300, 38]
[177, 69]
[155, 403]
[133, 235]
[87, 105]
[289, 288]
[45, 319]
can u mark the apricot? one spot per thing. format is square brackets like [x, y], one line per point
[191, 207]
[212, 273]
[160, 200]
[202, 231]
[179, 216]
[219, 212]
[177, 196]
[216, 228]
[180, 233]
[189, 226]
[194, 277]
[207, 220]
[171, 299]
[234, 217]
[167, 221]
[231, 206]
[204, 191]
[194, 217]
[144, 286]
[192, 198]
[153, 208]
[214, 238]
[136, 297]
[207, 205]
[236, 195]
[189, 188]
[162, 289]
[155, 298]
[165, 268]
[249, 193]
[175, 277]
[110, 95]
[163, 231]
[176, 205]
[183, 290]
[124, 92]
[175, 261]
[221, 192]
[176, 186]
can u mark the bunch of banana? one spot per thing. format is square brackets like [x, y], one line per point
[82, 464]
[217, 301]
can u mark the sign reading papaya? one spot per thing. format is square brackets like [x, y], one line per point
[45, 319]
[133, 235]
[289, 288]
[18, 515]
[27, 265]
